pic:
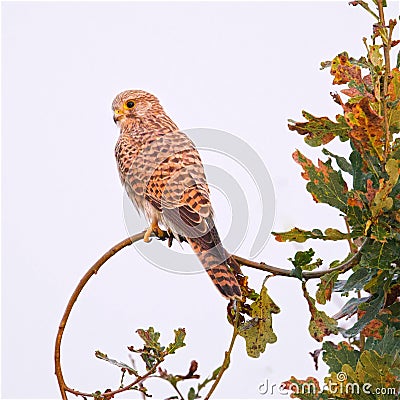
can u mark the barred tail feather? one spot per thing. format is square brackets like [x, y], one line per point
[225, 281]
[216, 261]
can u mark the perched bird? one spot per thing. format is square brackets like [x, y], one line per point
[163, 175]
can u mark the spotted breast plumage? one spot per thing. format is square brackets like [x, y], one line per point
[164, 177]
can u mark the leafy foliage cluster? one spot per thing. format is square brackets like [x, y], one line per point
[365, 189]
[153, 354]
[369, 121]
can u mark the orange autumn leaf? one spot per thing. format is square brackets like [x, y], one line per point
[344, 71]
[367, 132]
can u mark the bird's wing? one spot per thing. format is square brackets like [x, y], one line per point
[177, 186]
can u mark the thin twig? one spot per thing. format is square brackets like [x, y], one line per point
[120, 390]
[172, 384]
[386, 51]
[227, 357]
[178, 391]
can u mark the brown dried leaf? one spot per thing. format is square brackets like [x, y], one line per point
[367, 133]
[315, 354]
[343, 71]
[321, 325]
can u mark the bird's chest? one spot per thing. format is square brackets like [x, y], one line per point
[136, 156]
[130, 161]
[137, 160]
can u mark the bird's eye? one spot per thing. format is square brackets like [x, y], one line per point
[130, 104]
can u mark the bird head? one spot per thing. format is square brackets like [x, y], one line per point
[134, 104]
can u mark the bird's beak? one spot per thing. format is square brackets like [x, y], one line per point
[117, 115]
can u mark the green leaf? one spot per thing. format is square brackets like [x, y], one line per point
[391, 316]
[300, 235]
[382, 202]
[325, 184]
[375, 56]
[302, 260]
[321, 325]
[257, 332]
[191, 394]
[379, 371]
[152, 351]
[359, 176]
[150, 338]
[297, 235]
[342, 163]
[320, 130]
[390, 343]
[380, 281]
[372, 307]
[365, 168]
[180, 334]
[337, 355]
[335, 234]
[381, 232]
[380, 255]
[325, 287]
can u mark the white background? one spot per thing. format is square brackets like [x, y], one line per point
[243, 68]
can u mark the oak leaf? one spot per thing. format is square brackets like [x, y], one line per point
[257, 332]
[344, 71]
[321, 325]
[366, 127]
[320, 130]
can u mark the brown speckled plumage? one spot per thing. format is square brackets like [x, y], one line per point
[164, 177]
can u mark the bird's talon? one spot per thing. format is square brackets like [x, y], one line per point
[153, 229]
[159, 232]
[147, 235]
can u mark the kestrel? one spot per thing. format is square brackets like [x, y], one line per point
[163, 175]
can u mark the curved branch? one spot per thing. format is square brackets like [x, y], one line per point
[92, 271]
[345, 266]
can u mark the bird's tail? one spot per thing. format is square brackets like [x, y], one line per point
[217, 263]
